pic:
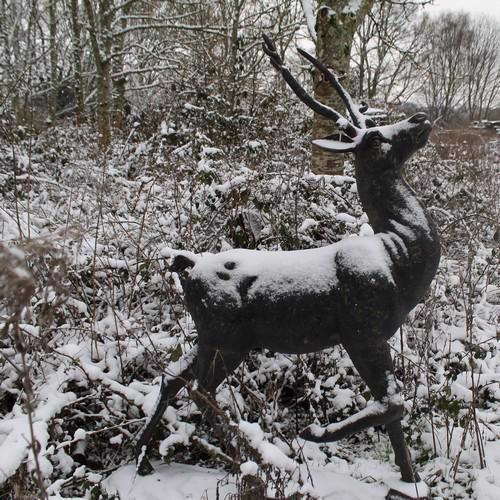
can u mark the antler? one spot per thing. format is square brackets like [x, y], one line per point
[356, 114]
[270, 49]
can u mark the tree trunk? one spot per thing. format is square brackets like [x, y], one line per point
[77, 60]
[234, 63]
[53, 90]
[103, 108]
[336, 24]
[100, 38]
[121, 105]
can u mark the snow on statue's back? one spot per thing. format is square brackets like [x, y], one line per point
[356, 292]
[280, 274]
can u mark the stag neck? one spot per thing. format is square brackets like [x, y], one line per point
[405, 229]
[392, 206]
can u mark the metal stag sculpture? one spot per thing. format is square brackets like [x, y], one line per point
[356, 292]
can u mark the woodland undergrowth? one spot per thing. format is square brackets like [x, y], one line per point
[90, 316]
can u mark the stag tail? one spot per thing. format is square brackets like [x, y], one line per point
[181, 263]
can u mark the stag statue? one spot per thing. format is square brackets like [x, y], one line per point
[356, 292]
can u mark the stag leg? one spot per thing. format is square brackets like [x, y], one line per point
[214, 365]
[401, 452]
[212, 368]
[167, 392]
[374, 363]
[378, 373]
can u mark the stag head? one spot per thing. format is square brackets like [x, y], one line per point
[381, 147]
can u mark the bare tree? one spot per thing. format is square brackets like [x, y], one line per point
[385, 52]
[226, 49]
[482, 60]
[444, 62]
[77, 57]
[99, 16]
[19, 56]
[52, 8]
[461, 64]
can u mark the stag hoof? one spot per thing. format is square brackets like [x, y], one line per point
[397, 495]
[400, 490]
[143, 467]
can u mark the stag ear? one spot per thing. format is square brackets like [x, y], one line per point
[336, 143]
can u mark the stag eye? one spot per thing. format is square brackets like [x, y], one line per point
[375, 141]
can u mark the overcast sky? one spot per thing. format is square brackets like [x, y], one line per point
[490, 7]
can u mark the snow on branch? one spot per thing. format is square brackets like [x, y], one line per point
[308, 9]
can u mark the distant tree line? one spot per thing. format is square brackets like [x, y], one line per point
[461, 65]
[99, 59]
[451, 61]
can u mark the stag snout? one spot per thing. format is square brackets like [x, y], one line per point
[423, 128]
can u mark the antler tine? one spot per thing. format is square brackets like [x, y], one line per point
[357, 117]
[369, 123]
[270, 49]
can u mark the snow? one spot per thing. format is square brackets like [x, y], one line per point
[342, 398]
[335, 145]
[294, 272]
[181, 435]
[343, 123]
[307, 224]
[180, 481]
[192, 107]
[211, 151]
[79, 435]
[389, 131]
[487, 485]
[375, 408]
[15, 446]
[254, 145]
[192, 482]
[412, 490]
[249, 468]
[231, 184]
[366, 230]
[308, 9]
[270, 453]
[343, 217]
[352, 7]
[118, 439]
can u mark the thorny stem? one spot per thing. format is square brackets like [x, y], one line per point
[28, 404]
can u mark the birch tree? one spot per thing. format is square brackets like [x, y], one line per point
[336, 25]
